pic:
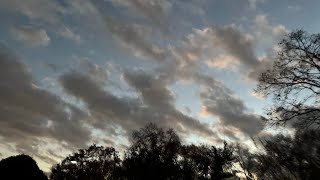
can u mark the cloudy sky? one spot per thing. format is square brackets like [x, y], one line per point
[77, 72]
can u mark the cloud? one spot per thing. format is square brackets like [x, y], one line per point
[30, 35]
[217, 47]
[219, 101]
[236, 43]
[69, 34]
[253, 3]
[232, 112]
[153, 103]
[265, 63]
[222, 62]
[153, 90]
[44, 10]
[155, 95]
[133, 37]
[30, 113]
[227, 41]
[227, 46]
[194, 7]
[91, 98]
[267, 33]
[294, 8]
[156, 11]
[191, 51]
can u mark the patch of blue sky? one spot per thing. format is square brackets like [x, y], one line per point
[187, 97]
[294, 14]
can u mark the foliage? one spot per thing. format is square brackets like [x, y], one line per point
[284, 157]
[208, 162]
[153, 154]
[94, 163]
[246, 161]
[20, 167]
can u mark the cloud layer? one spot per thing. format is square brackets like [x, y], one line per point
[29, 113]
[129, 63]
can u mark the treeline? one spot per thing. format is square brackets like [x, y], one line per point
[159, 155]
[20, 167]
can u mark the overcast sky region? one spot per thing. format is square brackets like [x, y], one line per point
[77, 72]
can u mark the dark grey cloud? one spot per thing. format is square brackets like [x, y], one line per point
[154, 103]
[52, 66]
[237, 44]
[104, 106]
[153, 90]
[156, 11]
[29, 113]
[216, 44]
[265, 64]
[242, 45]
[99, 73]
[223, 47]
[155, 94]
[219, 101]
[31, 36]
[133, 37]
[44, 10]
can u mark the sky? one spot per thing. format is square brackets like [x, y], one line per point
[78, 72]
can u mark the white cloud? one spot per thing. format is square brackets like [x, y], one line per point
[294, 8]
[266, 32]
[222, 62]
[30, 35]
[253, 3]
[69, 34]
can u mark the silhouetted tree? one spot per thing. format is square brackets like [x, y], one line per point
[286, 158]
[94, 163]
[207, 162]
[20, 167]
[294, 81]
[246, 160]
[152, 154]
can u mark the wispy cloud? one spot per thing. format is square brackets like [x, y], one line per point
[69, 34]
[31, 36]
